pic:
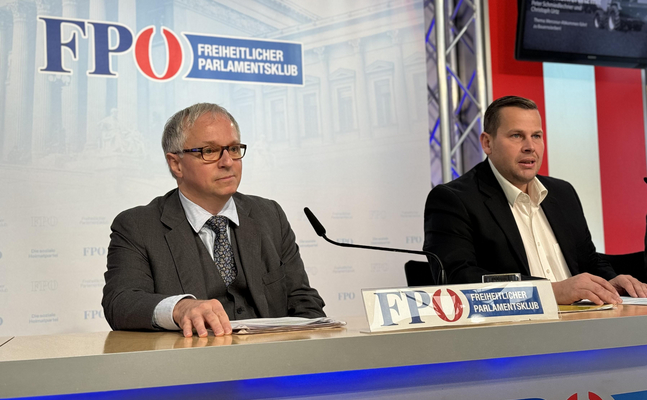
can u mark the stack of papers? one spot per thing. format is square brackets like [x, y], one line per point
[633, 301]
[285, 324]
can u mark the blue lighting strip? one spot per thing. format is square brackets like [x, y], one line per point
[454, 172]
[432, 48]
[433, 378]
[462, 39]
[432, 135]
[469, 86]
[458, 6]
[431, 27]
[477, 145]
[460, 83]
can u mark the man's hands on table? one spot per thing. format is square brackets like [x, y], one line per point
[585, 286]
[598, 290]
[627, 284]
[192, 314]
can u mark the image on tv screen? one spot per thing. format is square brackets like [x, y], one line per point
[605, 32]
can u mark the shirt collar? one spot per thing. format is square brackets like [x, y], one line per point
[197, 215]
[536, 190]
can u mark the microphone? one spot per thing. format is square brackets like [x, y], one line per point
[321, 231]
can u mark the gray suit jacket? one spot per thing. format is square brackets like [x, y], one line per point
[153, 255]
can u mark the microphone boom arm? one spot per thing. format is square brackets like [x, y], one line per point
[321, 231]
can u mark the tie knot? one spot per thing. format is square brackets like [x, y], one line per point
[217, 223]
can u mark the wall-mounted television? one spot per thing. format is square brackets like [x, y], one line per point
[598, 32]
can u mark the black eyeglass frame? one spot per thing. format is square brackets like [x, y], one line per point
[222, 151]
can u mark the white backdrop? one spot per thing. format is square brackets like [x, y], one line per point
[76, 148]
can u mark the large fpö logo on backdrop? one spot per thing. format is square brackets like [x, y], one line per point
[213, 57]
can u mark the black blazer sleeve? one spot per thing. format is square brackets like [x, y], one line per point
[450, 234]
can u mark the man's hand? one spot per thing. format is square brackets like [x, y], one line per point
[191, 313]
[627, 284]
[585, 286]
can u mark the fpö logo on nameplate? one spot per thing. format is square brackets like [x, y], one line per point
[479, 303]
[213, 57]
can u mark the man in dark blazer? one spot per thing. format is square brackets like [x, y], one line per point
[500, 215]
[169, 267]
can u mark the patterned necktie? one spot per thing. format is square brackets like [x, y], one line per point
[223, 256]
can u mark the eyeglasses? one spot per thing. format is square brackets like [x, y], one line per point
[236, 152]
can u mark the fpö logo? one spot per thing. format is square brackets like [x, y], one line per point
[103, 48]
[345, 296]
[93, 314]
[413, 306]
[214, 57]
[94, 251]
[42, 221]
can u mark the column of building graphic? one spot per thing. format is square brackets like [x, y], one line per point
[43, 114]
[97, 90]
[16, 146]
[345, 94]
[70, 90]
[6, 26]
[43, 101]
[353, 88]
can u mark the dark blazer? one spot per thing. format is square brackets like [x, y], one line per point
[470, 226]
[153, 255]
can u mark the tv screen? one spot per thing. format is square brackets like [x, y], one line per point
[598, 32]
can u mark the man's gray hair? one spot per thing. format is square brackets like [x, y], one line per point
[174, 135]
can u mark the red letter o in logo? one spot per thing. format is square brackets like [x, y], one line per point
[143, 54]
[458, 306]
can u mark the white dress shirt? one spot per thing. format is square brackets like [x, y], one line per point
[545, 257]
[197, 216]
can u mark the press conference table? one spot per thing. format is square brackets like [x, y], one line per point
[117, 361]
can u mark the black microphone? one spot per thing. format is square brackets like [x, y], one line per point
[321, 231]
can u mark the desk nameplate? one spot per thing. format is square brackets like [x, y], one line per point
[452, 305]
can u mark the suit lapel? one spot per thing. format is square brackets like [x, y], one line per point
[498, 205]
[181, 243]
[249, 241]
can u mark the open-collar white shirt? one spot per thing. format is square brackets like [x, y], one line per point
[545, 258]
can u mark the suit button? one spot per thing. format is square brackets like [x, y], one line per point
[240, 310]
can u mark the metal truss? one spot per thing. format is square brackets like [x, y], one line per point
[456, 84]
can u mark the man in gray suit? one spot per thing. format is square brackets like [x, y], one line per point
[204, 254]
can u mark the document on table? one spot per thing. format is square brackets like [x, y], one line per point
[588, 305]
[633, 301]
[578, 307]
[285, 324]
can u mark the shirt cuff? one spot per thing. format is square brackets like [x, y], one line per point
[163, 313]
